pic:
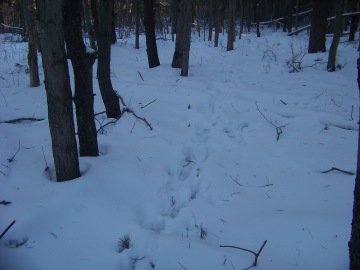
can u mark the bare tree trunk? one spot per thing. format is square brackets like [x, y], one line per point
[102, 23]
[211, 19]
[58, 92]
[174, 12]
[297, 15]
[231, 28]
[186, 7]
[149, 23]
[318, 26]
[113, 30]
[354, 243]
[242, 12]
[179, 41]
[339, 6]
[31, 26]
[354, 19]
[1, 17]
[257, 17]
[137, 24]
[218, 25]
[82, 64]
[89, 27]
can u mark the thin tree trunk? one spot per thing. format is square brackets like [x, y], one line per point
[1, 17]
[174, 12]
[31, 26]
[231, 27]
[82, 64]
[339, 5]
[89, 27]
[297, 15]
[242, 12]
[218, 25]
[149, 24]
[137, 24]
[354, 243]
[179, 41]
[58, 92]
[186, 6]
[211, 19]
[257, 17]
[102, 23]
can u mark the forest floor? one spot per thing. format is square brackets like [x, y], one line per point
[238, 155]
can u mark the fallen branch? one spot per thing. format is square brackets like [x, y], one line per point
[142, 107]
[19, 120]
[247, 250]
[278, 128]
[128, 110]
[13, 157]
[141, 76]
[339, 170]
[7, 228]
[3, 202]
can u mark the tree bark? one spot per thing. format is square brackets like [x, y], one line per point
[82, 63]
[354, 19]
[354, 243]
[179, 41]
[137, 24]
[89, 26]
[149, 24]
[318, 26]
[231, 28]
[211, 19]
[113, 30]
[58, 92]
[186, 7]
[31, 27]
[102, 23]
[339, 7]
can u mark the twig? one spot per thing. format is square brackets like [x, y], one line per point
[235, 180]
[339, 170]
[142, 107]
[3, 202]
[47, 169]
[283, 102]
[128, 110]
[247, 250]
[182, 266]
[2, 173]
[13, 157]
[278, 128]
[7, 228]
[352, 110]
[141, 76]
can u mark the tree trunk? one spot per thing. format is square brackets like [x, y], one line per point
[179, 41]
[137, 24]
[30, 21]
[354, 243]
[211, 19]
[354, 20]
[174, 12]
[89, 27]
[149, 24]
[113, 30]
[102, 23]
[257, 17]
[231, 27]
[1, 17]
[297, 15]
[318, 26]
[339, 7]
[186, 13]
[82, 63]
[57, 84]
[218, 10]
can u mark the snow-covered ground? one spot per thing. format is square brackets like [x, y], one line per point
[210, 173]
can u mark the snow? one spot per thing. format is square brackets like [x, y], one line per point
[211, 165]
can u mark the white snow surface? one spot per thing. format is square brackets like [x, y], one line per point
[212, 165]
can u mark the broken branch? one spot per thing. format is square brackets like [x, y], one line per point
[339, 170]
[7, 228]
[256, 254]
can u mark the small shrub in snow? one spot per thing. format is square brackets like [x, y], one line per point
[124, 243]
